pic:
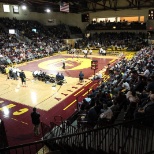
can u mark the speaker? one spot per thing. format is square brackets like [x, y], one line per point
[85, 17]
[94, 64]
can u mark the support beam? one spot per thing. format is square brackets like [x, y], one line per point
[113, 4]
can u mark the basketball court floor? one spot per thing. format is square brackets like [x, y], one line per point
[50, 99]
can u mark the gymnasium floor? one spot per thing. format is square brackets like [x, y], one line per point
[17, 102]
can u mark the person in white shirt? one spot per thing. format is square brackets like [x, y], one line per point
[146, 72]
[104, 52]
[100, 51]
[85, 53]
[125, 85]
[35, 72]
[98, 76]
[90, 52]
[14, 73]
[106, 113]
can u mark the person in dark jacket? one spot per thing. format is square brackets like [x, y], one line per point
[23, 78]
[35, 116]
[147, 109]
[81, 76]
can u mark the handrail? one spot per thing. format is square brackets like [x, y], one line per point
[68, 126]
[56, 129]
[44, 128]
[116, 134]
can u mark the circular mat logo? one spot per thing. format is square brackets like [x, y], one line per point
[70, 64]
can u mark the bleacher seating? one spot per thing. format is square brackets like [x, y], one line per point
[132, 41]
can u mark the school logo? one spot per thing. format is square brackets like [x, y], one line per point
[70, 64]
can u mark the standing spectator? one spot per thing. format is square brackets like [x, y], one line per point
[81, 76]
[35, 116]
[23, 78]
[63, 64]
[7, 72]
[14, 73]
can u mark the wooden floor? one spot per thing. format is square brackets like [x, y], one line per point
[40, 94]
[16, 102]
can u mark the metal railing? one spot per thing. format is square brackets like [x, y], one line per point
[3, 137]
[129, 137]
[57, 128]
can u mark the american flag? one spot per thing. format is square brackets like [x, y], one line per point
[64, 7]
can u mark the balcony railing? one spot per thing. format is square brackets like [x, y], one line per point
[133, 137]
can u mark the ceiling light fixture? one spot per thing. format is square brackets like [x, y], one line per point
[24, 7]
[48, 10]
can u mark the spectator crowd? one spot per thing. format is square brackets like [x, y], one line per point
[130, 88]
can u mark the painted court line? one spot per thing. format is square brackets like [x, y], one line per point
[79, 92]
[69, 105]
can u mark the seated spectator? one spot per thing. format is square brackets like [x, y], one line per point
[125, 85]
[147, 109]
[58, 76]
[150, 84]
[133, 104]
[61, 77]
[93, 114]
[121, 99]
[100, 51]
[98, 76]
[141, 84]
[106, 113]
[132, 97]
[84, 105]
[93, 94]
[35, 74]
[104, 52]
[90, 52]
[88, 99]
[115, 107]
[146, 73]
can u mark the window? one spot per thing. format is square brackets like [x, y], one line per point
[6, 8]
[15, 9]
[151, 14]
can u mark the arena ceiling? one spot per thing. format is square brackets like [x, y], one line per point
[80, 6]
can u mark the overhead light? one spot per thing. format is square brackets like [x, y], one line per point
[24, 7]
[48, 10]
